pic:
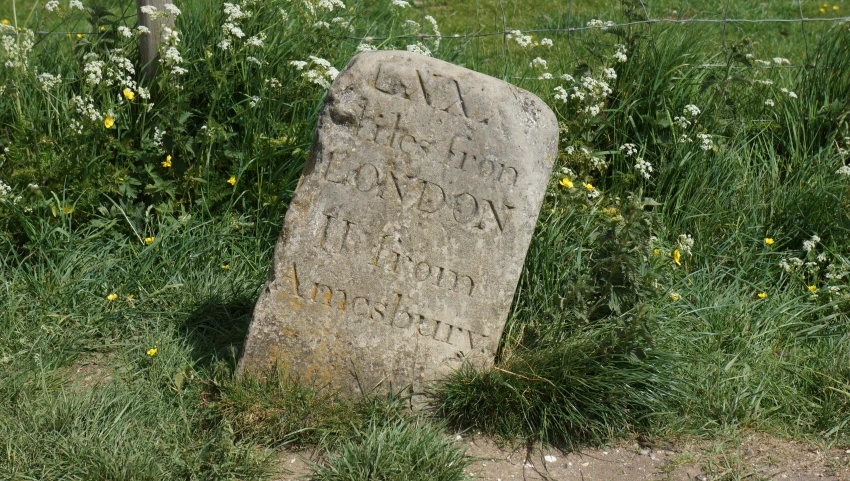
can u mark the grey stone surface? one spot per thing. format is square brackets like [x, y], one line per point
[404, 242]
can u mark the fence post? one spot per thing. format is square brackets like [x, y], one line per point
[149, 43]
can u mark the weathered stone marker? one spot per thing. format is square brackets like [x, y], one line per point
[405, 239]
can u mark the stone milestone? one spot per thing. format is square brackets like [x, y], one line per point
[404, 241]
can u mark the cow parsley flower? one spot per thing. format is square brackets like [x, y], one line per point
[628, 149]
[400, 4]
[51, 5]
[781, 61]
[811, 243]
[546, 42]
[692, 110]
[843, 170]
[620, 54]
[769, 102]
[419, 48]
[610, 74]
[538, 63]
[172, 9]
[644, 168]
[147, 9]
[49, 81]
[125, 32]
[706, 142]
[521, 40]
[76, 4]
[366, 47]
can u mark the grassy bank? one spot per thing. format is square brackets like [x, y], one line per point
[688, 274]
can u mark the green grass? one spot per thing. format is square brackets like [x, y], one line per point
[608, 335]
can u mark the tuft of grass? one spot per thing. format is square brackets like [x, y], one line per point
[402, 450]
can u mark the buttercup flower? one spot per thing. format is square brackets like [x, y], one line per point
[167, 162]
[588, 186]
[566, 182]
[149, 240]
[674, 297]
[129, 94]
[108, 122]
[656, 251]
[67, 209]
[813, 289]
[762, 295]
[112, 297]
[232, 180]
[152, 351]
[225, 266]
[768, 240]
[677, 256]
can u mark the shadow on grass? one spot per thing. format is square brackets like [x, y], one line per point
[216, 329]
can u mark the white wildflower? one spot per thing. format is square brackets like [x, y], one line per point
[519, 38]
[234, 12]
[254, 60]
[792, 95]
[620, 54]
[225, 44]
[232, 29]
[769, 102]
[298, 64]
[692, 110]
[545, 76]
[147, 9]
[643, 167]
[561, 94]
[158, 134]
[436, 29]
[811, 243]
[366, 47]
[568, 77]
[419, 48]
[843, 170]
[142, 30]
[172, 9]
[781, 61]
[682, 121]
[685, 242]
[765, 82]
[51, 5]
[254, 101]
[400, 4]
[125, 32]
[5, 190]
[329, 5]
[610, 73]
[628, 149]
[538, 63]
[76, 4]
[706, 142]
[546, 42]
[49, 81]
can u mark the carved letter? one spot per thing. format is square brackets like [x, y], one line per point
[334, 173]
[366, 177]
[432, 197]
[465, 208]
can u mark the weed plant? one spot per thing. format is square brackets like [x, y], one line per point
[688, 273]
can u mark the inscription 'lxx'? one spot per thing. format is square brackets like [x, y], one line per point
[391, 313]
[420, 194]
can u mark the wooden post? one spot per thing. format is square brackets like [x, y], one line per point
[149, 43]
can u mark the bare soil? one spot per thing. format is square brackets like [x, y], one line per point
[754, 457]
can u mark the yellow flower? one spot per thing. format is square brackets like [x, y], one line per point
[102, 28]
[225, 266]
[167, 162]
[80, 35]
[152, 351]
[762, 295]
[835, 7]
[674, 297]
[566, 182]
[149, 240]
[67, 209]
[768, 240]
[112, 297]
[656, 251]
[677, 256]
[587, 186]
[813, 289]
[129, 94]
[131, 297]
[108, 122]
[822, 10]
[5, 21]
[232, 180]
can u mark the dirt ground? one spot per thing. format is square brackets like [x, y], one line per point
[756, 457]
